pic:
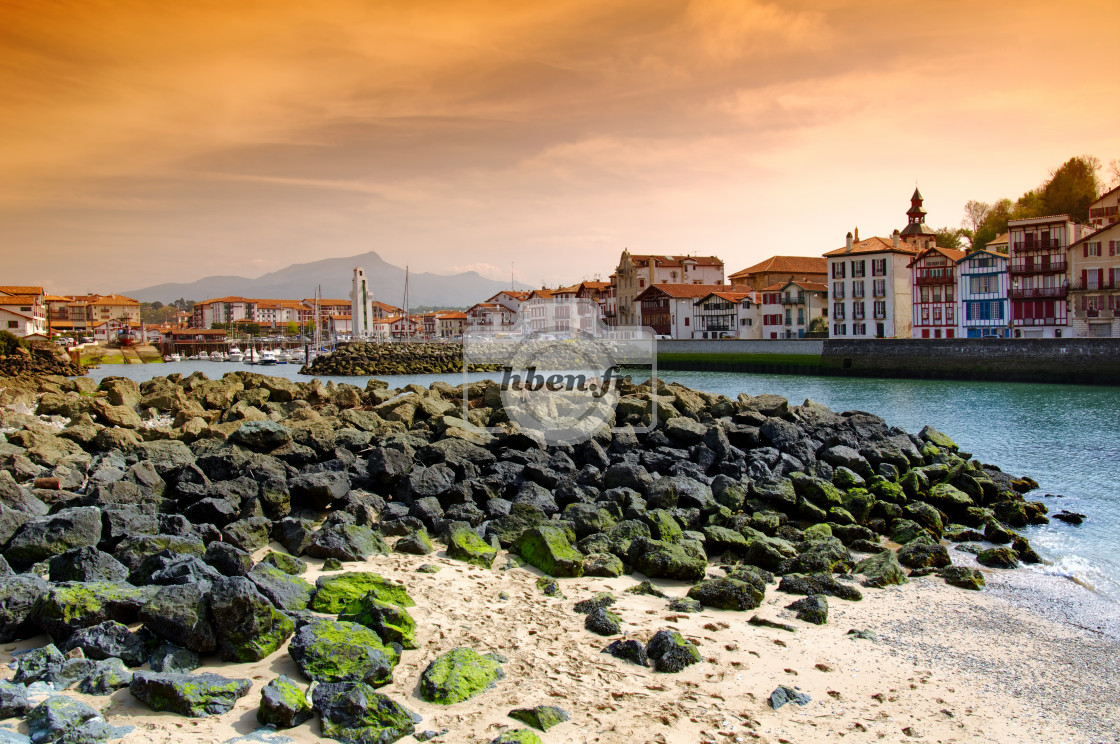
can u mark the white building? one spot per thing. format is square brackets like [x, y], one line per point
[361, 305]
[788, 308]
[982, 284]
[668, 308]
[726, 315]
[869, 288]
[23, 311]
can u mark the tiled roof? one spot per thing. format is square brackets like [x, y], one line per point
[452, 316]
[735, 297]
[1000, 239]
[985, 251]
[684, 291]
[18, 299]
[1094, 236]
[1043, 218]
[21, 290]
[949, 253]
[786, 265]
[873, 245]
[670, 261]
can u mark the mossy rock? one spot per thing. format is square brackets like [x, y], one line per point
[355, 713]
[418, 543]
[662, 526]
[812, 609]
[465, 545]
[289, 564]
[816, 490]
[547, 548]
[391, 622]
[602, 621]
[549, 587]
[881, 570]
[517, 736]
[333, 594]
[817, 531]
[963, 577]
[670, 652]
[193, 695]
[925, 515]
[905, 530]
[248, 627]
[459, 675]
[542, 717]
[334, 651]
[283, 704]
[604, 565]
[659, 559]
[285, 590]
[73, 605]
[889, 491]
[998, 558]
[937, 439]
[602, 599]
[726, 594]
[917, 554]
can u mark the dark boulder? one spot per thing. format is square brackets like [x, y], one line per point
[628, 650]
[283, 704]
[459, 675]
[726, 594]
[86, 564]
[246, 625]
[193, 695]
[335, 651]
[40, 538]
[670, 652]
[355, 713]
[181, 614]
[811, 609]
[108, 640]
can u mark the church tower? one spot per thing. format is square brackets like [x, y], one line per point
[917, 233]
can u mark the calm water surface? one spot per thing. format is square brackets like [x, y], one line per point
[1065, 437]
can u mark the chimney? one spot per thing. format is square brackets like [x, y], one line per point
[894, 238]
[849, 248]
[857, 234]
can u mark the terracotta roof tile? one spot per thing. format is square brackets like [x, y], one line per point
[21, 290]
[786, 265]
[684, 291]
[873, 245]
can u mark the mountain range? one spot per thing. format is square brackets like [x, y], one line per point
[335, 276]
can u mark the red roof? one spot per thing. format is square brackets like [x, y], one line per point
[21, 290]
[873, 245]
[786, 265]
[669, 261]
[948, 253]
[683, 291]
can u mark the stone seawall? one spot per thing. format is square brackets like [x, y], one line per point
[1070, 361]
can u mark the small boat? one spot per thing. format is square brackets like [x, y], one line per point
[167, 357]
[217, 356]
[268, 356]
[175, 358]
[234, 355]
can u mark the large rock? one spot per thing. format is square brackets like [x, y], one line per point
[918, 554]
[547, 548]
[106, 640]
[811, 609]
[261, 436]
[464, 545]
[13, 700]
[335, 594]
[67, 721]
[181, 614]
[670, 652]
[355, 713]
[346, 542]
[321, 489]
[726, 594]
[459, 675]
[881, 570]
[193, 695]
[285, 591]
[658, 559]
[68, 607]
[283, 704]
[391, 622]
[19, 596]
[86, 563]
[42, 537]
[998, 558]
[542, 717]
[963, 577]
[246, 625]
[334, 651]
[820, 583]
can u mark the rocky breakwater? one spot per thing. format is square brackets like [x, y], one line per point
[28, 360]
[132, 504]
[359, 359]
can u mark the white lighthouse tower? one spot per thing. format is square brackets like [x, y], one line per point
[361, 305]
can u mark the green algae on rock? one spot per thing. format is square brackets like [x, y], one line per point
[193, 695]
[336, 651]
[547, 548]
[334, 593]
[391, 622]
[459, 675]
[464, 545]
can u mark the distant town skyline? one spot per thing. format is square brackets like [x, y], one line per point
[147, 143]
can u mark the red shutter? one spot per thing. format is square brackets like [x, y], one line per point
[1084, 303]
[1111, 277]
[1084, 279]
[1085, 250]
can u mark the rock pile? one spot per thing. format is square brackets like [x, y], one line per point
[123, 503]
[358, 359]
[35, 360]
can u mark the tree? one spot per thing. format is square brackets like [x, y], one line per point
[949, 237]
[975, 212]
[1072, 187]
[291, 329]
[819, 325]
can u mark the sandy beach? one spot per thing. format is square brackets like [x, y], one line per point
[944, 665]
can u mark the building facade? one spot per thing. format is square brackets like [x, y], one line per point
[778, 269]
[982, 284]
[725, 314]
[23, 311]
[788, 308]
[869, 288]
[934, 293]
[361, 305]
[667, 308]
[1105, 210]
[636, 273]
[1094, 287]
[1039, 279]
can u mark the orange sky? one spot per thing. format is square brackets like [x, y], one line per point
[143, 142]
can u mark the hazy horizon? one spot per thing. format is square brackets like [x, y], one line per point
[149, 143]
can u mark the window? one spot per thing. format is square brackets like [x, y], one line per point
[839, 329]
[686, 321]
[838, 270]
[13, 324]
[641, 283]
[936, 314]
[948, 292]
[857, 288]
[838, 310]
[935, 295]
[858, 268]
[949, 314]
[879, 288]
[857, 310]
[859, 329]
[1093, 249]
[995, 310]
[838, 290]
[880, 309]
[982, 284]
[879, 267]
[925, 315]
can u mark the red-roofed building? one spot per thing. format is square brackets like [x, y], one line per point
[635, 273]
[668, 308]
[788, 308]
[1039, 275]
[726, 314]
[933, 293]
[778, 269]
[1105, 210]
[23, 312]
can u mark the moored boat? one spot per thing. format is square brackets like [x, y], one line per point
[234, 355]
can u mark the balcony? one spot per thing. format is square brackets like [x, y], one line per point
[880, 316]
[1020, 246]
[1101, 212]
[1106, 285]
[1052, 266]
[927, 277]
[1039, 293]
[1038, 321]
[793, 300]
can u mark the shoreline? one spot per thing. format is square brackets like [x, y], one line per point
[251, 463]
